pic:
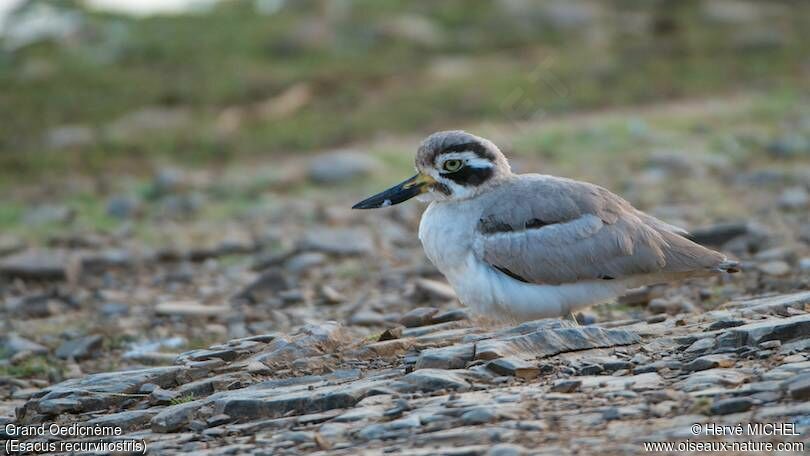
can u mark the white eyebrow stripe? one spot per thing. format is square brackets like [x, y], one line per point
[471, 158]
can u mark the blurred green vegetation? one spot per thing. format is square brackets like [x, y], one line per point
[232, 83]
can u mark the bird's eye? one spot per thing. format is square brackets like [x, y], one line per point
[452, 165]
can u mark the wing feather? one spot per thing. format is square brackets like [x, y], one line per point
[552, 230]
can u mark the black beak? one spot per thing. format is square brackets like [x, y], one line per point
[396, 194]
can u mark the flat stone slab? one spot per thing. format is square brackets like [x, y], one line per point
[784, 330]
[541, 344]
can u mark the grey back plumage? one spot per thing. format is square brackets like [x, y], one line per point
[550, 230]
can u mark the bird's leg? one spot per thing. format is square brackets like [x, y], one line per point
[485, 322]
[572, 318]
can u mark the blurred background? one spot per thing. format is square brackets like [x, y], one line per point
[176, 173]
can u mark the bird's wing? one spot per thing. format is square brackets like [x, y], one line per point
[543, 229]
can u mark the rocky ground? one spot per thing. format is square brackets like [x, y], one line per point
[300, 326]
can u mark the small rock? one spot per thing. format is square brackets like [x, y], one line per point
[799, 387]
[420, 316]
[450, 315]
[340, 166]
[80, 348]
[114, 310]
[428, 380]
[478, 415]
[218, 420]
[725, 323]
[191, 309]
[267, 286]
[10, 244]
[794, 198]
[338, 241]
[774, 268]
[434, 290]
[304, 261]
[566, 386]
[732, 405]
[13, 344]
[702, 345]
[123, 206]
[769, 344]
[789, 146]
[181, 206]
[664, 395]
[451, 357]
[506, 449]
[710, 362]
[160, 396]
[331, 296]
[656, 319]
[717, 235]
[515, 367]
[43, 215]
[36, 265]
[390, 334]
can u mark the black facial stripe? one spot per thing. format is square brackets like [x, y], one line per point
[468, 175]
[474, 147]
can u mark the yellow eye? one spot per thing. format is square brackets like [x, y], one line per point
[452, 165]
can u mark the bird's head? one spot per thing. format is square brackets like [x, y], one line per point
[450, 165]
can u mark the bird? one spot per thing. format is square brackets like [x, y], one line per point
[529, 246]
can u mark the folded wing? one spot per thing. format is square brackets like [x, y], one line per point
[552, 230]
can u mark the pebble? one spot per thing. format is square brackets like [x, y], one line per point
[725, 323]
[36, 264]
[506, 449]
[80, 348]
[732, 405]
[794, 198]
[13, 344]
[701, 345]
[478, 415]
[710, 362]
[338, 241]
[434, 290]
[565, 386]
[799, 387]
[341, 166]
[123, 206]
[515, 367]
[191, 309]
[775, 268]
[420, 316]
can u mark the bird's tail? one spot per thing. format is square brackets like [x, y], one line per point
[729, 266]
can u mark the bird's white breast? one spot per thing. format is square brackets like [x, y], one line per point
[447, 232]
